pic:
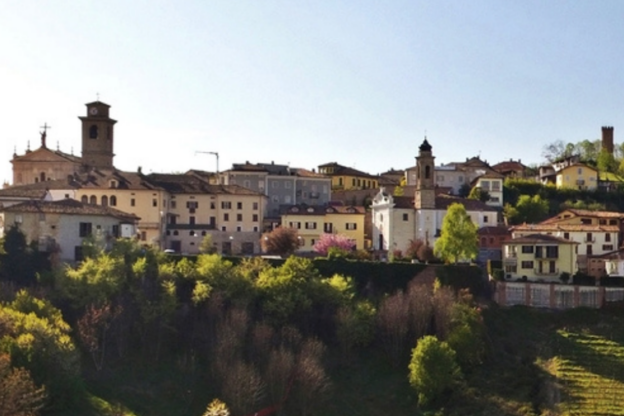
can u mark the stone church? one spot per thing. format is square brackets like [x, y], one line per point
[45, 164]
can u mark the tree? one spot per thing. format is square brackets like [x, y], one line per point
[479, 194]
[606, 162]
[398, 191]
[281, 241]
[207, 246]
[19, 396]
[327, 241]
[528, 210]
[459, 236]
[17, 260]
[432, 369]
[464, 190]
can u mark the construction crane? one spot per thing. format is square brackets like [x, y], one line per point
[216, 154]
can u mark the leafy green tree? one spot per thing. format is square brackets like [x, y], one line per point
[17, 260]
[282, 241]
[529, 209]
[606, 162]
[458, 240]
[479, 194]
[467, 335]
[432, 369]
[464, 190]
[207, 246]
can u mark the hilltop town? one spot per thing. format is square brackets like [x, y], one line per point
[53, 192]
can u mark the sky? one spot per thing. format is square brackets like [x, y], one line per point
[310, 82]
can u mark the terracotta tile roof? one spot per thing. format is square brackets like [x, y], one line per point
[538, 239]
[187, 184]
[305, 173]
[584, 213]
[344, 170]
[70, 207]
[444, 201]
[36, 190]
[509, 166]
[403, 201]
[566, 227]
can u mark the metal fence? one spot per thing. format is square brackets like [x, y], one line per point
[555, 296]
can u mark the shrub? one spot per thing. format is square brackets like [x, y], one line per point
[432, 369]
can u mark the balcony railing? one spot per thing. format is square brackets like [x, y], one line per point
[589, 240]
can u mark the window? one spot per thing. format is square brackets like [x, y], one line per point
[427, 171]
[226, 205]
[246, 184]
[328, 227]
[84, 229]
[586, 221]
[223, 228]
[84, 199]
[212, 205]
[552, 252]
[93, 200]
[255, 228]
[527, 249]
[154, 202]
[527, 264]
[589, 238]
[460, 179]
[176, 232]
[612, 222]
[192, 220]
[485, 185]
[485, 218]
[607, 247]
[296, 225]
[143, 235]
[239, 217]
[274, 184]
[132, 202]
[192, 204]
[239, 205]
[496, 186]
[113, 201]
[41, 216]
[254, 217]
[607, 237]
[287, 185]
[255, 206]
[226, 217]
[104, 201]
[310, 226]
[405, 217]
[93, 132]
[351, 226]
[602, 222]
[566, 236]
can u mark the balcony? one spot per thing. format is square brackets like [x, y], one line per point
[589, 240]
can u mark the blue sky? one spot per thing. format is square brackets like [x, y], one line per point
[309, 82]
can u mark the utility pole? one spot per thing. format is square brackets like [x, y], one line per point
[216, 154]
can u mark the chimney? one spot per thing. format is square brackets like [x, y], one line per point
[607, 139]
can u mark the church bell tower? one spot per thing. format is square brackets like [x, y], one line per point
[424, 196]
[97, 136]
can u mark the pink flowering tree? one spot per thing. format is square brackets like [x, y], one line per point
[328, 241]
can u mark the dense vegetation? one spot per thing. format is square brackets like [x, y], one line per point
[135, 332]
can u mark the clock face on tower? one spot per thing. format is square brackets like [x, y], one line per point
[93, 111]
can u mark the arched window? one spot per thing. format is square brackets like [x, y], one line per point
[42, 177]
[113, 201]
[427, 171]
[104, 200]
[93, 200]
[93, 132]
[84, 199]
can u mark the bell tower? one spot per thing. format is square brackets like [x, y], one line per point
[97, 136]
[424, 196]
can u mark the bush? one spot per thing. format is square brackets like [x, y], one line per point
[432, 369]
[564, 277]
[583, 279]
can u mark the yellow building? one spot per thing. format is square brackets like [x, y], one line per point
[577, 176]
[128, 192]
[313, 221]
[345, 178]
[539, 257]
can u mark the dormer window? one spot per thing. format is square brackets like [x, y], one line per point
[113, 184]
[310, 210]
[93, 132]
[295, 209]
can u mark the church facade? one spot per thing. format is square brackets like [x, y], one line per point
[45, 164]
